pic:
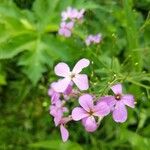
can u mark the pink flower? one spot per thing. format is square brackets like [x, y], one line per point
[93, 39]
[66, 29]
[57, 111]
[118, 103]
[63, 130]
[81, 80]
[88, 111]
[72, 14]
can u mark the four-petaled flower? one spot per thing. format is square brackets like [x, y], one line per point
[118, 102]
[81, 80]
[72, 14]
[93, 39]
[57, 111]
[88, 111]
[66, 28]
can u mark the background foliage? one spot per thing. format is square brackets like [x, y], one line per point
[30, 47]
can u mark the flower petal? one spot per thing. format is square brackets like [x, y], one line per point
[82, 63]
[62, 69]
[67, 33]
[70, 25]
[90, 124]
[86, 101]
[81, 81]
[57, 121]
[101, 109]
[61, 85]
[110, 100]
[120, 112]
[117, 89]
[68, 89]
[128, 100]
[64, 133]
[79, 113]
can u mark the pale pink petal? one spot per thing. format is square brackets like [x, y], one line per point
[64, 133]
[117, 89]
[61, 31]
[67, 33]
[62, 69]
[86, 101]
[110, 100]
[87, 41]
[81, 81]
[80, 14]
[65, 109]
[120, 112]
[74, 13]
[61, 85]
[82, 63]
[128, 100]
[52, 110]
[64, 15]
[79, 113]
[55, 97]
[96, 38]
[65, 120]
[58, 104]
[70, 25]
[101, 109]
[90, 124]
[57, 121]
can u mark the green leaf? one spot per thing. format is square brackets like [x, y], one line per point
[134, 139]
[86, 4]
[14, 45]
[56, 145]
[44, 12]
[13, 9]
[2, 79]
[34, 61]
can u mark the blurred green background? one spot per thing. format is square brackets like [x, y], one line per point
[29, 49]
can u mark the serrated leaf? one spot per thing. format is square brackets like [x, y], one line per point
[34, 62]
[43, 11]
[14, 45]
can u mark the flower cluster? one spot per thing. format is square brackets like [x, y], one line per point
[68, 19]
[90, 110]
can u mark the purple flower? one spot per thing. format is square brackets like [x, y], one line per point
[88, 111]
[118, 103]
[93, 39]
[66, 28]
[57, 111]
[81, 80]
[72, 14]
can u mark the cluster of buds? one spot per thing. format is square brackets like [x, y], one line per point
[90, 110]
[69, 17]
